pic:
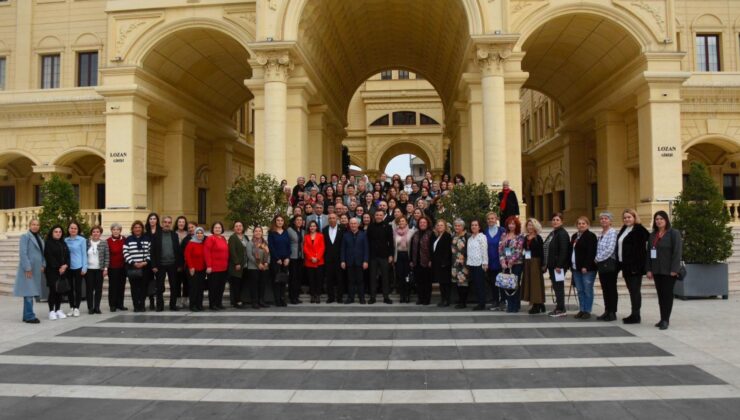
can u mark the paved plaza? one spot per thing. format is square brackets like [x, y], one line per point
[371, 362]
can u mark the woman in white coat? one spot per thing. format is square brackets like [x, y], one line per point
[28, 278]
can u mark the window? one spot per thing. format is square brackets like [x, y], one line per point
[707, 52]
[731, 187]
[427, 120]
[38, 196]
[403, 74]
[242, 119]
[2, 73]
[404, 118]
[251, 120]
[50, 71]
[100, 196]
[419, 77]
[7, 197]
[386, 75]
[561, 200]
[382, 121]
[202, 196]
[87, 69]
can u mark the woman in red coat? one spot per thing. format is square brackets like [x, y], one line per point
[216, 253]
[195, 263]
[313, 259]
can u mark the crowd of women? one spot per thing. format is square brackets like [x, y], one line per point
[347, 239]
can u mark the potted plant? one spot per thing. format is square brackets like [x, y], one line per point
[699, 214]
[255, 200]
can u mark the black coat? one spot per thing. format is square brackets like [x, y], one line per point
[535, 247]
[333, 251]
[512, 205]
[56, 254]
[380, 240]
[557, 253]
[442, 258]
[633, 250]
[156, 249]
[585, 250]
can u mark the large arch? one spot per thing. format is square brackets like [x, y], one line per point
[10, 155]
[727, 143]
[405, 146]
[71, 155]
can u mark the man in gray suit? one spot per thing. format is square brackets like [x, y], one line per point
[318, 215]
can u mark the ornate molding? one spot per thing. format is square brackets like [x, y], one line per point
[491, 59]
[657, 16]
[129, 26]
[651, 12]
[245, 17]
[277, 65]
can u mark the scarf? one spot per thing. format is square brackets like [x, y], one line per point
[259, 245]
[194, 239]
[402, 234]
[504, 199]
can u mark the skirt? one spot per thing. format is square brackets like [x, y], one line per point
[533, 282]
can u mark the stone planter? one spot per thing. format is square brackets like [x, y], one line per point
[703, 280]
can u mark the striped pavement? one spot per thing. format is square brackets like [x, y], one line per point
[358, 362]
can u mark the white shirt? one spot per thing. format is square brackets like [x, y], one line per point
[333, 233]
[627, 231]
[477, 250]
[434, 247]
[93, 263]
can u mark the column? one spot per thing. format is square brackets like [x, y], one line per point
[298, 154]
[23, 50]
[611, 155]
[179, 189]
[220, 178]
[574, 168]
[659, 130]
[125, 159]
[319, 143]
[272, 148]
[514, 80]
[490, 59]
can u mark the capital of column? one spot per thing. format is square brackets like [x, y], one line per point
[491, 59]
[277, 65]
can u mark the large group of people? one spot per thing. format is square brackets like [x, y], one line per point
[348, 240]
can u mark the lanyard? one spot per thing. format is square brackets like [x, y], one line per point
[658, 238]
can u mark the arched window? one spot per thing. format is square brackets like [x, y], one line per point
[427, 120]
[382, 121]
[403, 74]
[404, 118]
[386, 75]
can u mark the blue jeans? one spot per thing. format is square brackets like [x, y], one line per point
[585, 286]
[513, 300]
[28, 308]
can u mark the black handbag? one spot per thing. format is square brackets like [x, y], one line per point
[607, 266]
[282, 275]
[681, 272]
[62, 286]
[134, 273]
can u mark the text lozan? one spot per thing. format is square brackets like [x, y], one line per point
[666, 151]
[117, 157]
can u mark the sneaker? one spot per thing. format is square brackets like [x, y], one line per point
[76, 312]
[52, 316]
[60, 314]
[557, 313]
[71, 312]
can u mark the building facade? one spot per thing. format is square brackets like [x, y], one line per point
[159, 104]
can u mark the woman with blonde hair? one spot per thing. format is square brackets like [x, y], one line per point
[533, 281]
[631, 245]
[582, 253]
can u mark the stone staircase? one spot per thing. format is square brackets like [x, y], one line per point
[9, 263]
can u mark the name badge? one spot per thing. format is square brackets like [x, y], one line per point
[653, 253]
[508, 252]
[527, 255]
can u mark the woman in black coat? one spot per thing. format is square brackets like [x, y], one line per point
[556, 261]
[631, 245]
[582, 253]
[56, 255]
[442, 261]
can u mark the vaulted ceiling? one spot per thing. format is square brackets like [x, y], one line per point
[349, 40]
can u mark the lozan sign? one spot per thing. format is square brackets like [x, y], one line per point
[118, 157]
[666, 151]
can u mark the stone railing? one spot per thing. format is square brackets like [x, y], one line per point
[15, 221]
[733, 209]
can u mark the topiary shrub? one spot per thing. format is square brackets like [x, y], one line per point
[469, 202]
[255, 201]
[60, 206]
[699, 214]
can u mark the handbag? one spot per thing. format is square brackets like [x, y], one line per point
[507, 281]
[607, 266]
[681, 272]
[134, 273]
[282, 275]
[62, 285]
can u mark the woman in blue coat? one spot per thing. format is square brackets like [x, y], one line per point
[28, 279]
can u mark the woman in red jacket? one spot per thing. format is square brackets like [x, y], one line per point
[195, 262]
[313, 259]
[216, 254]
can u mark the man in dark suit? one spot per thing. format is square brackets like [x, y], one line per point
[508, 202]
[333, 273]
[166, 261]
[355, 256]
[318, 215]
[380, 241]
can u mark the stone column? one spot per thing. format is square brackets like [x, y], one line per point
[514, 80]
[490, 59]
[660, 149]
[611, 155]
[319, 142]
[272, 147]
[574, 166]
[125, 157]
[179, 188]
[220, 178]
[297, 152]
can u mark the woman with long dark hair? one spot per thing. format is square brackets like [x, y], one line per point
[278, 242]
[631, 245]
[183, 234]
[56, 255]
[296, 232]
[421, 260]
[153, 225]
[136, 253]
[663, 263]
[313, 253]
[237, 262]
